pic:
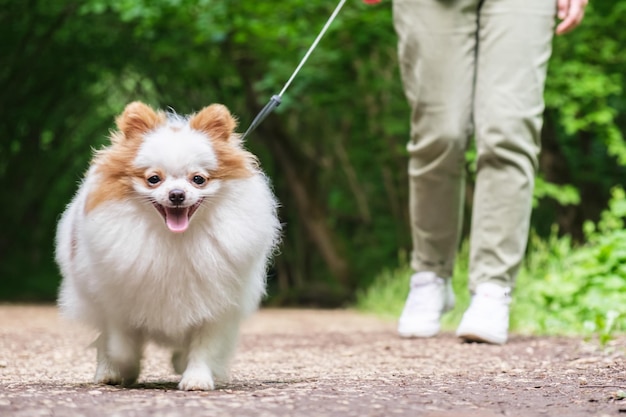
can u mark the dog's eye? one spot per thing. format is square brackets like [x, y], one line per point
[198, 179]
[154, 180]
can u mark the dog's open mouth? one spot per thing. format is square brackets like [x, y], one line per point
[177, 217]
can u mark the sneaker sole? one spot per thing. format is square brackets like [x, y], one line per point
[470, 336]
[417, 334]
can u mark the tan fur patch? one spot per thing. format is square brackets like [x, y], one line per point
[138, 119]
[114, 163]
[217, 122]
[234, 162]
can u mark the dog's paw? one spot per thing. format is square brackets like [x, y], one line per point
[107, 376]
[196, 380]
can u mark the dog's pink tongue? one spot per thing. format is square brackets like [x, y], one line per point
[177, 219]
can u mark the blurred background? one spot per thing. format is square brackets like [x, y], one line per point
[334, 150]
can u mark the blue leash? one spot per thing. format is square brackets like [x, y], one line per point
[276, 99]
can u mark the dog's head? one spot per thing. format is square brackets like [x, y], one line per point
[175, 163]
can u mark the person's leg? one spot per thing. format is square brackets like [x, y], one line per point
[436, 50]
[514, 47]
[515, 39]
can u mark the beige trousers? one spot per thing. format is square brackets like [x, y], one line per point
[473, 68]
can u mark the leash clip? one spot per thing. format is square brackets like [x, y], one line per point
[265, 111]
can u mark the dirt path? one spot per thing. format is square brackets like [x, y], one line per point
[315, 363]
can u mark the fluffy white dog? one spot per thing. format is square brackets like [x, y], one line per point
[168, 239]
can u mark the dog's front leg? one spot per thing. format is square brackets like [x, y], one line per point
[119, 355]
[208, 357]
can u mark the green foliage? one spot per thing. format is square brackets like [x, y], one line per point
[562, 288]
[386, 294]
[563, 194]
[583, 140]
[334, 149]
[589, 93]
[567, 289]
[52, 63]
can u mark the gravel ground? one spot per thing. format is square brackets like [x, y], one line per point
[315, 363]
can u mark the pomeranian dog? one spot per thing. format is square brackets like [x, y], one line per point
[168, 240]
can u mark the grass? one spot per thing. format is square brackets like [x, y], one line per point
[562, 288]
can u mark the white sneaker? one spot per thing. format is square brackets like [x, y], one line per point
[430, 296]
[487, 318]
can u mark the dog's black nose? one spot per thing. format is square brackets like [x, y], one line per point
[177, 196]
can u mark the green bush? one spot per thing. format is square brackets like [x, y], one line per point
[569, 289]
[562, 288]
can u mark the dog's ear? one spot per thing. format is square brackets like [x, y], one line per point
[137, 119]
[214, 120]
